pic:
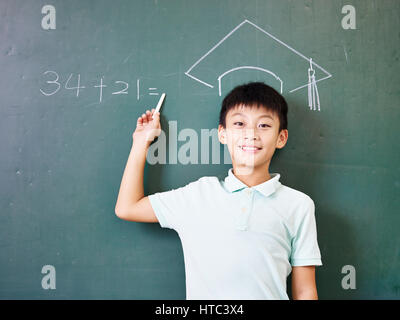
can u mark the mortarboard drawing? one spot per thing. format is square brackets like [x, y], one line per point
[224, 58]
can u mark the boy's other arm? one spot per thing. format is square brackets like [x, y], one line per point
[131, 204]
[303, 283]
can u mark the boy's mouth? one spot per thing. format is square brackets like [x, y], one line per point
[250, 149]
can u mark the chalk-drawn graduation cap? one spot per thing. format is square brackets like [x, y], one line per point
[249, 47]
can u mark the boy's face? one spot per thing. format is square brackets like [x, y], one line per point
[251, 135]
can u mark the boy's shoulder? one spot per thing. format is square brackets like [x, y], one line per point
[294, 195]
[201, 182]
[206, 184]
[204, 181]
[294, 204]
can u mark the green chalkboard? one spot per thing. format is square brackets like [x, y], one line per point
[75, 76]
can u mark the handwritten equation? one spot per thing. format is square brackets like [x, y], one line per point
[73, 82]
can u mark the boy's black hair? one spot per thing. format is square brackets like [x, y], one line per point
[255, 94]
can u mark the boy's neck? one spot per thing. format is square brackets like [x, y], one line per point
[252, 176]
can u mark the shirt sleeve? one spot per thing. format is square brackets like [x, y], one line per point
[305, 250]
[171, 207]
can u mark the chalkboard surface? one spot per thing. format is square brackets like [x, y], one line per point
[75, 75]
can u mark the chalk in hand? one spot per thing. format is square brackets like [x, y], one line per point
[160, 103]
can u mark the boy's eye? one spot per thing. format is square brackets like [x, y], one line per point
[263, 125]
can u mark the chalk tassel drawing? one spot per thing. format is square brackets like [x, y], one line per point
[312, 88]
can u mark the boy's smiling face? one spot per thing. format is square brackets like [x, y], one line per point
[252, 135]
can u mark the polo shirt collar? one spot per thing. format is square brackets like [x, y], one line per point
[232, 183]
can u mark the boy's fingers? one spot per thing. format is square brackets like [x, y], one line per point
[148, 114]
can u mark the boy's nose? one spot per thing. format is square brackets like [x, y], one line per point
[250, 134]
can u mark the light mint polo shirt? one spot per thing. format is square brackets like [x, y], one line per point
[239, 242]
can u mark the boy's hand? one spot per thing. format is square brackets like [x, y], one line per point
[147, 127]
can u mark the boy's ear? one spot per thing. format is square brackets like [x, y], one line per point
[221, 134]
[282, 138]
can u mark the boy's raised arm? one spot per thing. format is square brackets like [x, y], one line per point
[131, 204]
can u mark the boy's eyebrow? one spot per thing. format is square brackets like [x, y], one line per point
[262, 116]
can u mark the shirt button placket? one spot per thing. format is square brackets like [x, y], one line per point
[244, 214]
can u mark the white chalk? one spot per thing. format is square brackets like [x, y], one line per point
[160, 103]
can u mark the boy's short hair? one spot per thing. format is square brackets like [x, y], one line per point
[255, 94]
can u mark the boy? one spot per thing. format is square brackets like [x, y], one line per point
[242, 236]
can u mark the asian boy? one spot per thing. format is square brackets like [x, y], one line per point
[241, 236]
